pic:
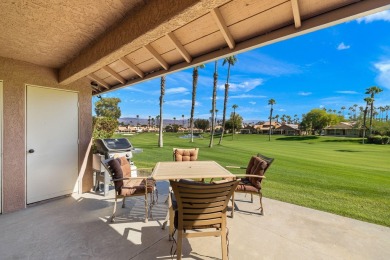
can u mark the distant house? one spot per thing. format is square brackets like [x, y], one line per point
[264, 128]
[287, 129]
[342, 129]
[245, 131]
[123, 129]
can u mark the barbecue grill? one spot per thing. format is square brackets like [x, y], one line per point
[114, 147]
[110, 148]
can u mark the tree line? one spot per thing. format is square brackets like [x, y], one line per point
[368, 117]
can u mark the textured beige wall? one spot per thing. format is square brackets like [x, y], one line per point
[15, 76]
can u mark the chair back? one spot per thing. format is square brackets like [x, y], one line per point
[118, 168]
[180, 154]
[201, 205]
[267, 159]
[258, 165]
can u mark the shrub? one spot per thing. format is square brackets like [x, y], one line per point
[104, 127]
[378, 139]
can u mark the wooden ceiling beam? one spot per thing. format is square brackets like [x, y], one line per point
[157, 56]
[179, 47]
[138, 28]
[114, 74]
[133, 67]
[223, 28]
[99, 81]
[333, 17]
[297, 15]
[96, 89]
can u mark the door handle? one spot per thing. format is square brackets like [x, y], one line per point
[31, 151]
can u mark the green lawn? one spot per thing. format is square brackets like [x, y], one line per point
[337, 175]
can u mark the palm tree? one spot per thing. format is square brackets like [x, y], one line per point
[296, 119]
[372, 91]
[174, 121]
[368, 102]
[387, 112]
[283, 118]
[354, 110]
[182, 116]
[160, 131]
[137, 121]
[234, 118]
[288, 119]
[270, 102]
[149, 121]
[277, 118]
[342, 109]
[195, 75]
[213, 104]
[382, 110]
[216, 113]
[230, 61]
[157, 119]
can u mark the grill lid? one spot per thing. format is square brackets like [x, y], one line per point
[112, 145]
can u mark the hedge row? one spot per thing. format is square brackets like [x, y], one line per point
[378, 139]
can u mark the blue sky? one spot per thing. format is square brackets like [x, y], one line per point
[329, 68]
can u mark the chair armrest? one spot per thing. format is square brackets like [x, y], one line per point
[235, 167]
[131, 178]
[250, 175]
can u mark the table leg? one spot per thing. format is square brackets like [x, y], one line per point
[169, 207]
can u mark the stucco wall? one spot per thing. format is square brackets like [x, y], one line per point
[15, 76]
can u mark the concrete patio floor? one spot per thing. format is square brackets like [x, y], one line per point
[76, 227]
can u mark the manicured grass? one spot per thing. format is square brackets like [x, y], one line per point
[333, 174]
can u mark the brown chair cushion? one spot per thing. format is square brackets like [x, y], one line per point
[115, 167]
[246, 186]
[137, 186]
[186, 155]
[125, 166]
[256, 166]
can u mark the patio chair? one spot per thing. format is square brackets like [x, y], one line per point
[181, 155]
[126, 185]
[201, 208]
[252, 179]
[184, 155]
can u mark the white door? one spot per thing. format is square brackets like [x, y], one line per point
[1, 146]
[52, 143]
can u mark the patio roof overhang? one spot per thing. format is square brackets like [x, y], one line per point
[120, 44]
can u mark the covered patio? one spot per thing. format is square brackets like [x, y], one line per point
[91, 47]
[76, 227]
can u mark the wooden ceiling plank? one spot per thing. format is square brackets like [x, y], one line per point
[99, 80]
[114, 74]
[297, 15]
[157, 56]
[223, 28]
[180, 48]
[133, 67]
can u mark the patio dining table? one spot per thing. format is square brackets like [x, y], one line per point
[187, 170]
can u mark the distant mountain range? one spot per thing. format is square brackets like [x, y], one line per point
[144, 121]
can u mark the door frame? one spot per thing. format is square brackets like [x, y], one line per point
[1, 143]
[76, 186]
